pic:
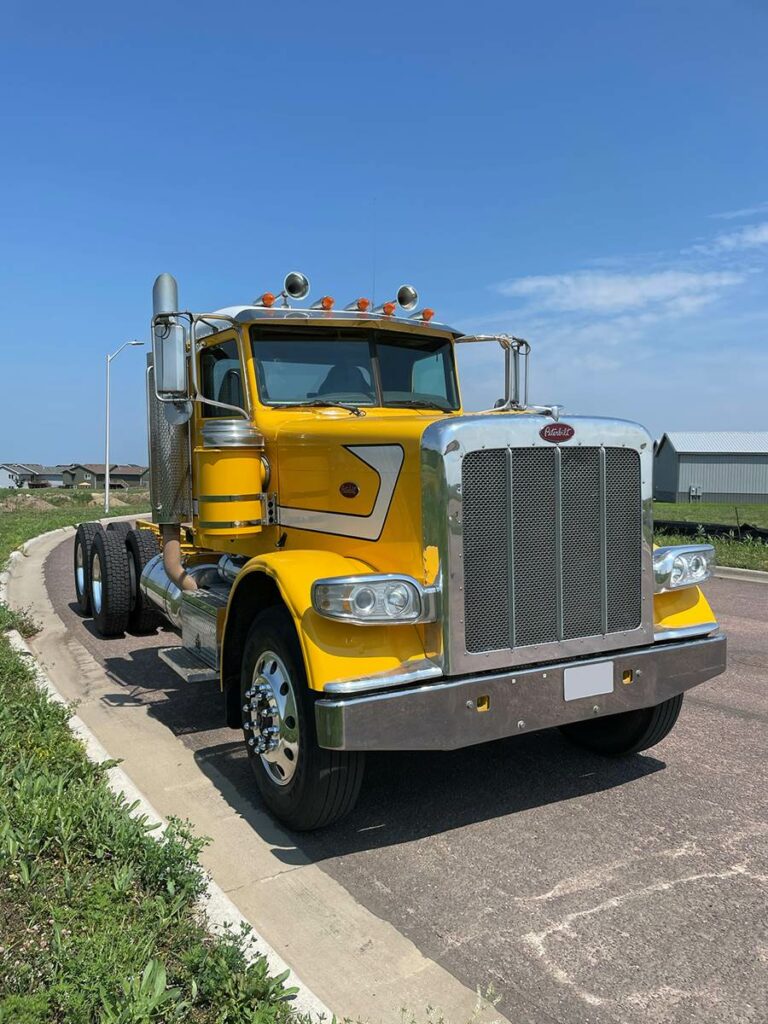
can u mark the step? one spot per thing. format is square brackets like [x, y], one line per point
[185, 663]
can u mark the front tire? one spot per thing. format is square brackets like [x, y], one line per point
[626, 733]
[303, 785]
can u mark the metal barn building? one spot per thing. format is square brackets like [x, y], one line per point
[718, 465]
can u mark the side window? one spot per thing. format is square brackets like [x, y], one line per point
[221, 378]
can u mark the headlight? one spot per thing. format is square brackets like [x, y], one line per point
[373, 599]
[683, 566]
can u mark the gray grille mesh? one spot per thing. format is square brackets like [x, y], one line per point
[582, 546]
[533, 545]
[486, 527]
[624, 537]
[552, 545]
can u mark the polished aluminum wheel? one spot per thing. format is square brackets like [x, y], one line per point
[79, 569]
[270, 718]
[96, 584]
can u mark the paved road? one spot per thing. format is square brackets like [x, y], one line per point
[580, 890]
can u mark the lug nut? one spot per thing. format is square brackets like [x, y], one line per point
[251, 742]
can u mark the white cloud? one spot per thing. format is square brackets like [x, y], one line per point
[751, 237]
[748, 211]
[596, 292]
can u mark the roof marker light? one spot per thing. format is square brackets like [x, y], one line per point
[326, 303]
[424, 315]
[388, 308]
[266, 299]
[362, 305]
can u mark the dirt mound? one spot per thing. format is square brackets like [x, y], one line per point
[26, 503]
[117, 502]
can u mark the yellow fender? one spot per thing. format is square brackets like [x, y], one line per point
[677, 609]
[333, 651]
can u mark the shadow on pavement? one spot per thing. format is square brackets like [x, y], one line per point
[405, 796]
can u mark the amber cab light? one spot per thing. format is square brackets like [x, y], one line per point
[427, 314]
[389, 308]
[363, 305]
[267, 299]
[327, 302]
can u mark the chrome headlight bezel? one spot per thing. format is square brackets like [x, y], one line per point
[682, 565]
[371, 600]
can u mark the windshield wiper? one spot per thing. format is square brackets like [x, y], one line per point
[418, 403]
[322, 403]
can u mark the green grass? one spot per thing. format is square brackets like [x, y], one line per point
[711, 512]
[20, 519]
[741, 554]
[98, 920]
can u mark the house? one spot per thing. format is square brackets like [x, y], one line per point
[92, 475]
[721, 465]
[16, 474]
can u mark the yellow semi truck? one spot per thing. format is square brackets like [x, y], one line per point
[364, 566]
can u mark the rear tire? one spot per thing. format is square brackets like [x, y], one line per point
[82, 565]
[142, 547]
[110, 584]
[122, 529]
[626, 733]
[303, 785]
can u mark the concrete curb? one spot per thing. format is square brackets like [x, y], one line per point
[219, 909]
[728, 572]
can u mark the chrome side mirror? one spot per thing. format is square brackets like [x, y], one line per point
[169, 341]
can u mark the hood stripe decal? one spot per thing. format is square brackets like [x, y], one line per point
[387, 461]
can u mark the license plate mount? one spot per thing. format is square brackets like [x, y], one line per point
[591, 680]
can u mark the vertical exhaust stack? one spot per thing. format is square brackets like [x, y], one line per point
[170, 461]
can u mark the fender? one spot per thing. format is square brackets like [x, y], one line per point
[333, 651]
[679, 609]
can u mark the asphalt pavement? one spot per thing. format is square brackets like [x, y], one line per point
[577, 889]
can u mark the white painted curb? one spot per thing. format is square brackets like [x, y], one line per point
[218, 907]
[727, 572]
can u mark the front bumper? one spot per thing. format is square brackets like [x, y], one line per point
[461, 712]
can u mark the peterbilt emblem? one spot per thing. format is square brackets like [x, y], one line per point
[557, 432]
[349, 489]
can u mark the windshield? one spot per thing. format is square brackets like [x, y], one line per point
[354, 368]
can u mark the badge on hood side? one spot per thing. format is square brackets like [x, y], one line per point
[557, 432]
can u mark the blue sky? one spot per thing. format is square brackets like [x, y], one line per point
[591, 176]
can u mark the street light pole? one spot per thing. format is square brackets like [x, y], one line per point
[106, 432]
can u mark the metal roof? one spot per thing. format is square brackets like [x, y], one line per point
[717, 442]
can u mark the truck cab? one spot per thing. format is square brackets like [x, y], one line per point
[362, 565]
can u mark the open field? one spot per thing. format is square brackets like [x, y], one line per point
[742, 554]
[25, 514]
[712, 512]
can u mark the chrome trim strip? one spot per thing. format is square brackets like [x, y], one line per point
[685, 632]
[401, 676]
[511, 549]
[462, 712]
[229, 525]
[559, 543]
[220, 432]
[232, 497]
[603, 502]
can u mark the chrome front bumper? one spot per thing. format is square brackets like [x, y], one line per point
[450, 714]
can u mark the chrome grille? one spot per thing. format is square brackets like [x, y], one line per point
[552, 544]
